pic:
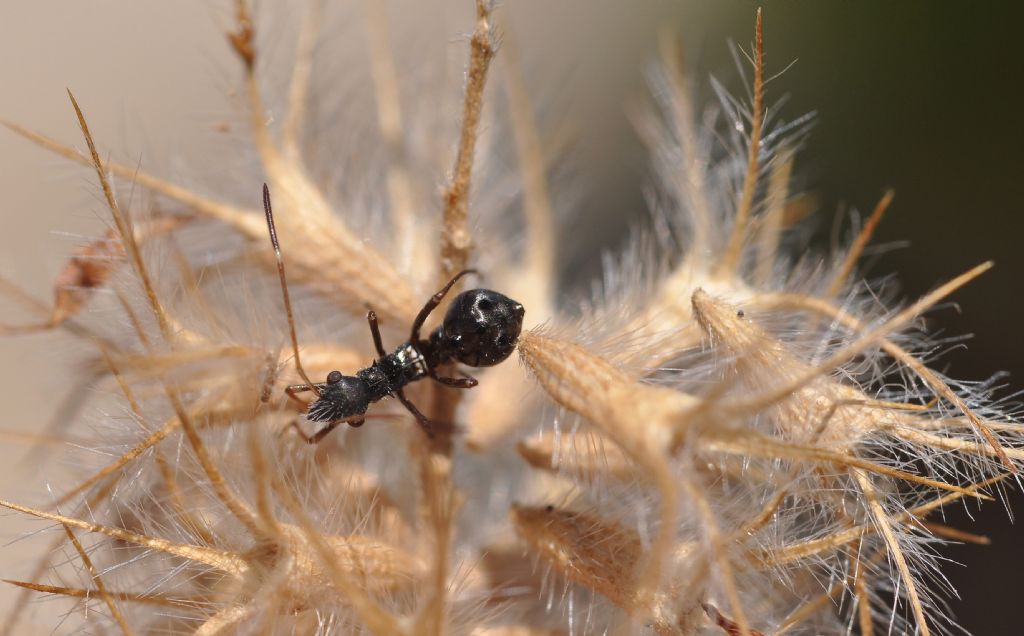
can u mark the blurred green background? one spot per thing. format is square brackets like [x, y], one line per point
[923, 97]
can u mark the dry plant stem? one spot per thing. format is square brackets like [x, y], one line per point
[884, 525]
[540, 231]
[843, 273]
[590, 551]
[124, 229]
[868, 339]
[753, 445]
[434, 458]
[440, 501]
[41, 308]
[901, 355]
[21, 602]
[773, 219]
[614, 403]
[376, 618]
[456, 240]
[261, 475]
[98, 581]
[38, 439]
[796, 552]
[781, 423]
[694, 163]
[152, 439]
[298, 92]
[955, 534]
[730, 260]
[718, 550]
[205, 405]
[228, 562]
[224, 620]
[166, 472]
[860, 589]
[243, 41]
[808, 609]
[361, 272]
[228, 498]
[120, 596]
[586, 457]
[181, 507]
[245, 221]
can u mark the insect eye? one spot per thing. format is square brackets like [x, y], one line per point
[334, 377]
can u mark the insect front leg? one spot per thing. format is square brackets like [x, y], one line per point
[293, 390]
[465, 382]
[432, 304]
[371, 317]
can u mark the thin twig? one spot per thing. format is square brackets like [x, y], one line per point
[730, 260]
[904, 357]
[884, 525]
[302, 69]
[98, 580]
[456, 240]
[843, 273]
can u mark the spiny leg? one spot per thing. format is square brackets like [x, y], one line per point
[293, 390]
[284, 290]
[371, 317]
[465, 382]
[317, 437]
[432, 304]
[420, 417]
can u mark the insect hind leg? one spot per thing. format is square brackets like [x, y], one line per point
[318, 436]
[423, 420]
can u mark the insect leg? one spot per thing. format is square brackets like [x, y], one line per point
[420, 417]
[465, 382]
[371, 317]
[284, 289]
[317, 436]
[432, 304]
[294, 389]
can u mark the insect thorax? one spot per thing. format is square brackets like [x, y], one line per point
[394, 371]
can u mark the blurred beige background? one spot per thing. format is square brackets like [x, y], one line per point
[919, 96]
[136, 66]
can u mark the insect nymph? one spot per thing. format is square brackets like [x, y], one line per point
[480, 329]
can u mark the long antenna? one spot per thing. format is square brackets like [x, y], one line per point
[284, 289]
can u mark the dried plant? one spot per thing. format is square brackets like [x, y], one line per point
[726, 439]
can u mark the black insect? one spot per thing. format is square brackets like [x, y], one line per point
[480, 329]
